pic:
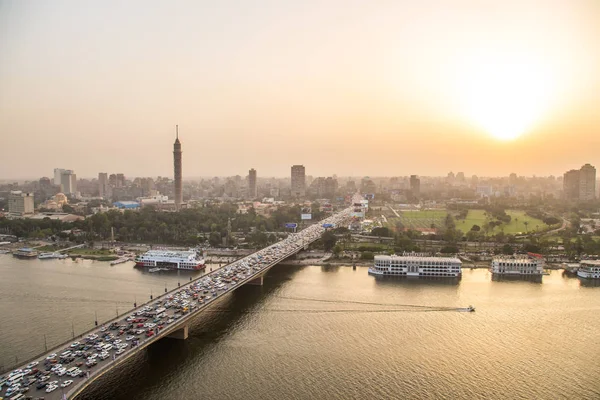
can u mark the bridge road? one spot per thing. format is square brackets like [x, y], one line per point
[177, 307]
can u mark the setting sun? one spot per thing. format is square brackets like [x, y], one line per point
[505, 94]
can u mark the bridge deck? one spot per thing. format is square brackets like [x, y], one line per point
[237, 273]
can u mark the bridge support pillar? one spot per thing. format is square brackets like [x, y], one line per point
[180, 334]
[258, 281]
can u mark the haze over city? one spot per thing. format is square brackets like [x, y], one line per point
[347, 88]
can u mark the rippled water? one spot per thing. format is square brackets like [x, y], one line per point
[526, 340]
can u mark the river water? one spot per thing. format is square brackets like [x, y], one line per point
[308, 334]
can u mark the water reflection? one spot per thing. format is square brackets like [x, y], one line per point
[589, 282]
[520, 278]
[415, 281]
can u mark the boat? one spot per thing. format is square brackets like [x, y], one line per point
[471, 309]
[119, 261]
[170, 259]
[45, 256]
[154, 269]
[589, 269]
[519, 265]
[4, 251]
[26, 253]
[416, 265]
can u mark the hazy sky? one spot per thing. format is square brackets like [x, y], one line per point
[343, 87]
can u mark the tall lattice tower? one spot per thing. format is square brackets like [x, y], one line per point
[177, 160]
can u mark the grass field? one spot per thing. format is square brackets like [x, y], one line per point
[516, 225]
[422, 219]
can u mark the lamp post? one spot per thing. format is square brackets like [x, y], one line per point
[96, 320]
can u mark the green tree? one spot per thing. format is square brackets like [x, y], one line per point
[329, 240]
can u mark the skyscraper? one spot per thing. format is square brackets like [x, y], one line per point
[415, 185]
[252, 193]
[68, 182]
[587, 183]
[580, 184]
[102, 184]
[298, 181]
[177, 160]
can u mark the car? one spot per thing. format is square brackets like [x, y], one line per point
[131, 337]
[51, 357]
[74, 344]
[53, 383]
[41, 385]
[51, 389]
[32, 364]
[120, 351]
[66, 383]
[104, 356]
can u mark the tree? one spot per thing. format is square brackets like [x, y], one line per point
[508, 249]
[329, 240]
[214, 239]
[381, 231]
[337, 249]
[475, 228]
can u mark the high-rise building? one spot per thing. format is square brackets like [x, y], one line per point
[252, 193]
[580, 184]
[120, 180]
[57, 175]
[68, 182]
[20, 203]
[102, 184]
[298, 181]
[415, 185]
[571, 184]
[177, 169]
[587, 183]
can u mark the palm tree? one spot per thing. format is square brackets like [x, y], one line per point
[526, 223]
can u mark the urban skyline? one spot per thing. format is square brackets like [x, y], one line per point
[405, 95]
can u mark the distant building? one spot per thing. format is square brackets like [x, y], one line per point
[103, 184]
[298, 181]
[68, 182]
[120, 180]
[177, 169]
[20, 203]
[587, 183]
[252, 192]
[128, 205]
[57, 175]
[415, 185]
[580, 184]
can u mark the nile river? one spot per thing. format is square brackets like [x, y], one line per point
[307, 334]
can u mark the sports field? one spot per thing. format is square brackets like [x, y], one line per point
[517, 224]
[419, 220]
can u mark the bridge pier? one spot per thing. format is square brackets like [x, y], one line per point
[258, 281]
[180, 334]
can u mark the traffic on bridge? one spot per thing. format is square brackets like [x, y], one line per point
[71, 367]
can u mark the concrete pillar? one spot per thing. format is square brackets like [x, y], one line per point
[180, 334]
[258, 281]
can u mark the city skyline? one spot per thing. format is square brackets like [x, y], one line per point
[409, 87]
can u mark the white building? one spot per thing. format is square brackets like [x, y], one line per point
[20, 203]
[68, 182]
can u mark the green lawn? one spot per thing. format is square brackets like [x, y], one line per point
[516, 225]
[422, 219]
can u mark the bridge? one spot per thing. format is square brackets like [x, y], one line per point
[177, 308]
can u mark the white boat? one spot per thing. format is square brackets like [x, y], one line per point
[45, 256]
[416, 265]
[589, 269]
[532, 264]
[170, 259]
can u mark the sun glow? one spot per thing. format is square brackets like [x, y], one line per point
[505, 95]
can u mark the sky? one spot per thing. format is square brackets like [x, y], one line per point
[353, 88]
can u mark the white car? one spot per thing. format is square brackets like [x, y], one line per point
[104, 356]
[74, 344]
[32, 364]
[120, 351]
[61, 371]
[50, 389]
[128, 338]
[66, 383]
[51, 356]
